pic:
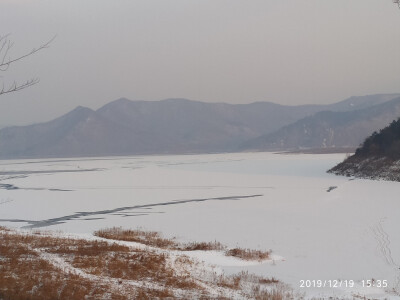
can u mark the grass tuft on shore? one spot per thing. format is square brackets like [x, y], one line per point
[45, 265]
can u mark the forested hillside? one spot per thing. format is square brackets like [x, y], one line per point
[377, 158]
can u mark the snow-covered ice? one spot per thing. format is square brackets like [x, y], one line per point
[319, 226]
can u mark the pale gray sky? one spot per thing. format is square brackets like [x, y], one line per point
[236, 51]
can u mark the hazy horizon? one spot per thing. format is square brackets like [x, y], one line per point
[288, 52]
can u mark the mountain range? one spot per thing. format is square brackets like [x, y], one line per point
[328, 129]
[176, 126]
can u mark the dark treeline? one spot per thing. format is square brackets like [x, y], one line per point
[385, 143]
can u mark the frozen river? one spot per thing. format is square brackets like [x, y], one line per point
[325, 227]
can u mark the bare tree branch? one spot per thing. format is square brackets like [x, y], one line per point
[6, 60]
[16, 87]
[7, 45]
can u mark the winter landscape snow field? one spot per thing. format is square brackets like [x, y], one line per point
[319, 226]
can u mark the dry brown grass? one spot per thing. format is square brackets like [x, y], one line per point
[263, 280]
[260, 288]
[103, 269]
[150, 238]
[231, 282]
[248, 254]
[202, 246]
[25, 275]
[154, 239]
[274, 294]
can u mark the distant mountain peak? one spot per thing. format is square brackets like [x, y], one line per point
[80, 110]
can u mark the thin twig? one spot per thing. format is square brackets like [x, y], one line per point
[15, 87]
[6, 63]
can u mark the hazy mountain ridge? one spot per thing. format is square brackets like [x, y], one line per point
[125, 127]
[76, 133]
[377, 158]
[326, 129]
[146, 127]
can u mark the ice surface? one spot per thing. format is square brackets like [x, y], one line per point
[323, 226]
